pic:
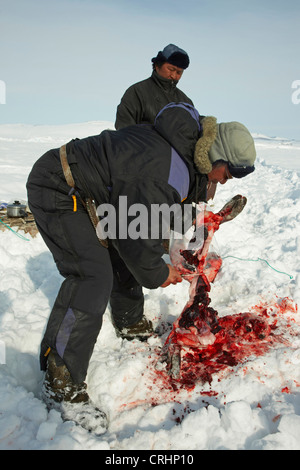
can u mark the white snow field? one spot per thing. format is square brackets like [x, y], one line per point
[254, 405]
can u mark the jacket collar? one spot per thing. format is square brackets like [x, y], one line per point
[164, 83]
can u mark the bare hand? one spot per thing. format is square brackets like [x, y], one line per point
[173, 278]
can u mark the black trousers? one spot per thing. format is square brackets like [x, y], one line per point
[127, 299]
[92, 272]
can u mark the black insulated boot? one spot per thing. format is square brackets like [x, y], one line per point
[141, 330]
[59, 392]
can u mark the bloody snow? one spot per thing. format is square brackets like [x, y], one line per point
[200, 344]
[241, 391]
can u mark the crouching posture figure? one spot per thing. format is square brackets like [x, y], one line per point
[170, 162]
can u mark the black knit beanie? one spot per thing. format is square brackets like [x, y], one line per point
[173, 55]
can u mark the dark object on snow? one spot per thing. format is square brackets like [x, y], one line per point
[16, 210]
[27, 224]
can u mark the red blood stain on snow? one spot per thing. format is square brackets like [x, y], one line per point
[205, 343]
[209, 346]
[242, 336]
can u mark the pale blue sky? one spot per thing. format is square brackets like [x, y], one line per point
[67, 61]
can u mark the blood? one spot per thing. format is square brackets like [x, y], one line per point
[240, 336]
[201, 344]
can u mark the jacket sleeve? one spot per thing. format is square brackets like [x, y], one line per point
[129, 109]
[140, 243]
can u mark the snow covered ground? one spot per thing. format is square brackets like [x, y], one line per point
[253, 405]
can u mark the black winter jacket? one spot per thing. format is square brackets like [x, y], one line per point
[147, 164]
[142, 101]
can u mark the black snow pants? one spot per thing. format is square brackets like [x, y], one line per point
[87, 266]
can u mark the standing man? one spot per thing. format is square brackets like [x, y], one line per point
[142, 101]
[140, 104]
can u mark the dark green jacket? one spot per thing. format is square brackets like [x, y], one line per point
[142, 101]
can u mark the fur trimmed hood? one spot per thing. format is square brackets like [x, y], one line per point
[203, 145]
[228, 141]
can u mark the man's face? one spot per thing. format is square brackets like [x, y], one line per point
[219, 174]
[169, 71]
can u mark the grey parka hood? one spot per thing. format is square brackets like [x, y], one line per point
[230, 142]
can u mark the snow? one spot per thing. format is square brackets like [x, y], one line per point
[254, 405]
